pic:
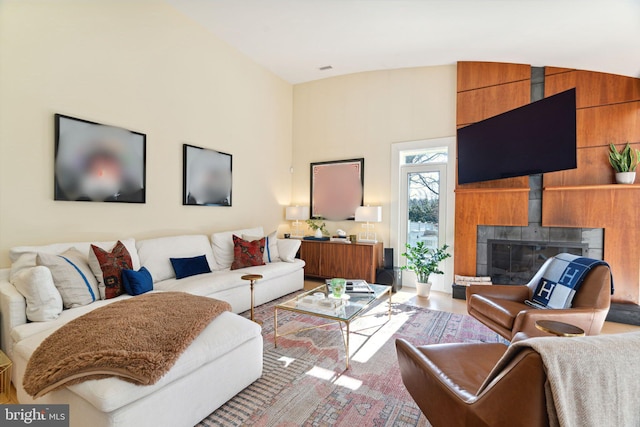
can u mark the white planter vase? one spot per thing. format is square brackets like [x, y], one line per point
[625, 177]
[318, 233]
[423, 289]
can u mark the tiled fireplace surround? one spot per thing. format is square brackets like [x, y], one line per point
[591, 239]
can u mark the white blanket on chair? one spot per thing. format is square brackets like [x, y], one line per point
[591, 381]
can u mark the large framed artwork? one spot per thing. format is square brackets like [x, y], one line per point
[98, 163]
[207, 177]
[337, 188]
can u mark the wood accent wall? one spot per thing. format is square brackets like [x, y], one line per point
[487, 89]
[608, 110]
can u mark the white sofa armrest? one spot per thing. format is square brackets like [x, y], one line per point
[288, 248]
[13, 309]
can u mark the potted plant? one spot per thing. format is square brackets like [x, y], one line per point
[624, 164]
[317, 224]
[423, 261]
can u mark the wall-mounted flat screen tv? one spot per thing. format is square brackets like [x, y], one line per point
[536, 138]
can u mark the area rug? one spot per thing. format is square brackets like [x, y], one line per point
[304, 380]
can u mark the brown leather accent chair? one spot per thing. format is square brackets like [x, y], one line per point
[502, 307]
[444, 380]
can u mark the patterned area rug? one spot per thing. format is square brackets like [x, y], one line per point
[304, 381]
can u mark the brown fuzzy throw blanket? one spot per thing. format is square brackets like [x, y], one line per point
[137, 340]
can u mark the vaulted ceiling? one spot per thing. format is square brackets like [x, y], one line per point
[295, 38]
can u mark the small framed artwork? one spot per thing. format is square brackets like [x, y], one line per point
[98, 163]
[207, 177]
[337, 188]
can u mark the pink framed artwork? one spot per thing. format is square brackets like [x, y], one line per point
[337, 188]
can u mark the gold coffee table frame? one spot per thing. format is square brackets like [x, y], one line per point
[358, 305]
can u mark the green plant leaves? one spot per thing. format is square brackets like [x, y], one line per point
[317, 223]
[424, 261]
[623, 161]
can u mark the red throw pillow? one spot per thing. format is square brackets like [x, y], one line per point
[247, 254]
[111, 266]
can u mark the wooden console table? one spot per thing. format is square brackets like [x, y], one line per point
[325, 260]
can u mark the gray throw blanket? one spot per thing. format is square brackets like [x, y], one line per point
[137, 340]
[591, 381]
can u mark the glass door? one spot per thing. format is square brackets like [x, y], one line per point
[422, 205]
[422, 177]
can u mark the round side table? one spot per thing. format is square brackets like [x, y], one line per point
[560, 329]
[252, 278]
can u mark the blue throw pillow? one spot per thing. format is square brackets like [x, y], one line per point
[185, 267]
[137, 282]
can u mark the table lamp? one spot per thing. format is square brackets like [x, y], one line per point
[297, 213]
[368, 214]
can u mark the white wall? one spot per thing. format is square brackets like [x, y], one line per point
[145, 67]
[361, 115]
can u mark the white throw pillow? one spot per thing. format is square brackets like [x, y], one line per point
[44, 302]
[72, 277]
[222, 244]
[288, 248]
[271, 246]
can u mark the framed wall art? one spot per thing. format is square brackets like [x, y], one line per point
[98, 163]
[337, 188]
[207, 177]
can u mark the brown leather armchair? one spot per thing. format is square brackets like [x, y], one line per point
[502, 307]
[444, 380]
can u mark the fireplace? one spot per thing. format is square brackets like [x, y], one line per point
[513, 262]
[512, 255]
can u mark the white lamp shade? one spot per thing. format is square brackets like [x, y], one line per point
[369, 214]
[297, 213]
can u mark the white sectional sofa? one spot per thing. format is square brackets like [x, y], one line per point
[224, 359]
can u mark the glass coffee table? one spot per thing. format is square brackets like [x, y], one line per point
[328, 308]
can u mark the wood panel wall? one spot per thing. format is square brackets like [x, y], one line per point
[484, 90]
[608, 110]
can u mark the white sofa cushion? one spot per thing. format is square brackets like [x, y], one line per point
[273, 270]
[25, 256]
[204, 284]
[218, 281]
[222, 244]
[155, 253]
[288, 248]
[43, 299]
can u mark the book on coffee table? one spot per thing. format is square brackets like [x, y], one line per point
[354, 286]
